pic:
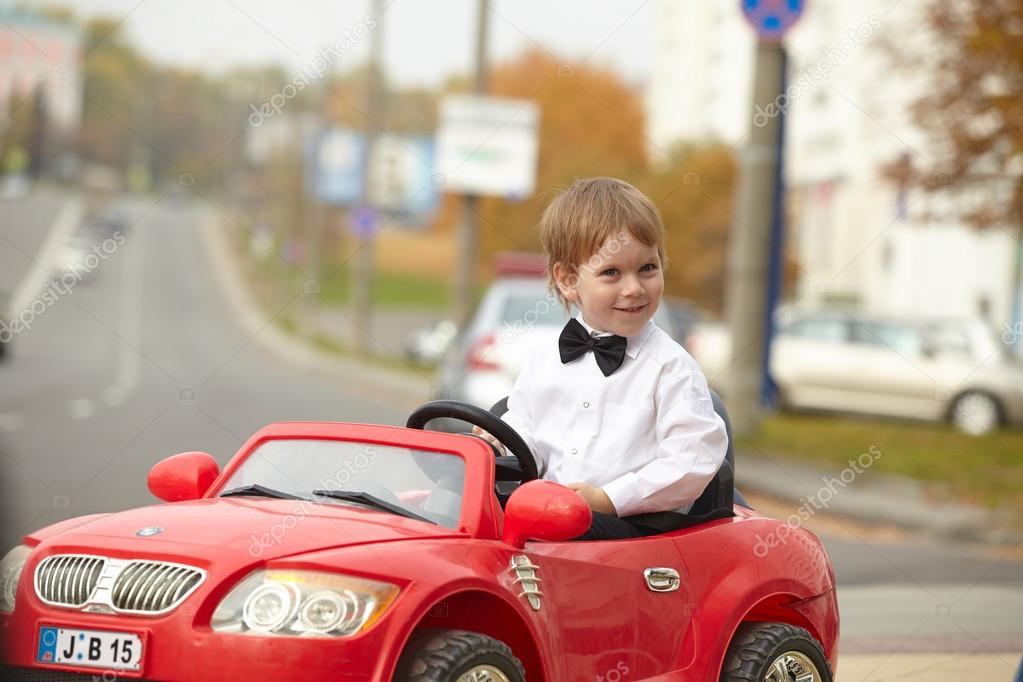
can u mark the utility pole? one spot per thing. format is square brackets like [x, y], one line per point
[749, 255]
[468, 231]
[362, 272]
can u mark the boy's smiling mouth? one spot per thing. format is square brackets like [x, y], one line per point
[634, 309]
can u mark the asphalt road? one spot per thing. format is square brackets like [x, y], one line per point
[144, 359]
[138, 362]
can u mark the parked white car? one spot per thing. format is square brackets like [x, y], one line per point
[935, 370]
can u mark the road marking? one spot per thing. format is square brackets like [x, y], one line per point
[42, 269]
[131, 320]
[82, 408]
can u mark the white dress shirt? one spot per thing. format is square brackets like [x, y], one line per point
[648, 434]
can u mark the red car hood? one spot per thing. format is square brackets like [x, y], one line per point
[246, 529]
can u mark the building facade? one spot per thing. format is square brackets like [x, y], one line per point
[860, 240]
[39, 56]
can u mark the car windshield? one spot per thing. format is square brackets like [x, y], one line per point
[416, 483]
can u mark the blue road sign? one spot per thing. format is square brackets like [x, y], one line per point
[365, 220]
[772, 18]
[335, 160]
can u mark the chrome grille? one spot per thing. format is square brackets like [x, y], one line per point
[154, 586]
[68, 579]
[104, 585]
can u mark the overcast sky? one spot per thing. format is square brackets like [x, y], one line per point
[425, 40]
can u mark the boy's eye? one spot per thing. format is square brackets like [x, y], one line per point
[648, 267]
[610, 272]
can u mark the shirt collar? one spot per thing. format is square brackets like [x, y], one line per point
[635, 342]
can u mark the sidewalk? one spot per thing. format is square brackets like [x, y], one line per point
[927, 667]
[871, 498]
[389, 328]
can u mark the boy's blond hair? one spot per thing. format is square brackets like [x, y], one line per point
[583, 218]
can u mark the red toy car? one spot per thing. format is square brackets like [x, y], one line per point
[334, 551]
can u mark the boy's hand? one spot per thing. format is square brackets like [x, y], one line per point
[490, 439]
[595, 497]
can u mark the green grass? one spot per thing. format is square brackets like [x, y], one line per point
[389, 290]
[986, 470]
[392, 290]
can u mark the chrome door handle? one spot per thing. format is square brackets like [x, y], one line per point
[662, 579]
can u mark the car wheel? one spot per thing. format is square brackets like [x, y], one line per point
[774, 652]
[975, 413]
[458, 656]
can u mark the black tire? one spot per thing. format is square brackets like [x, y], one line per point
[757, 647]
[446, 655]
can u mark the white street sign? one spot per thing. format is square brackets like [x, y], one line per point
[488, 145]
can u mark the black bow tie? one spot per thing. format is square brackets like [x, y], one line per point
[609, 351]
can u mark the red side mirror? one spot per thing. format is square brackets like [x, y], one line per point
[544, 510]
[184, 476]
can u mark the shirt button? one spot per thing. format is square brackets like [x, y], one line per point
[586, 404]
[575, 451]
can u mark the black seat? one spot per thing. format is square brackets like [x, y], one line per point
[720, 493]
[717, 500]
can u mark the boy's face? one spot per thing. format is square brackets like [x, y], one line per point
[618, 288]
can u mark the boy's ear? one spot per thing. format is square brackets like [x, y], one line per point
[566, 280]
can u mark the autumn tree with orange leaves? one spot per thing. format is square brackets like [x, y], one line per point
[592, 124]
[973, 112]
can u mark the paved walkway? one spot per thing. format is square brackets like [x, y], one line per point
[928, 667]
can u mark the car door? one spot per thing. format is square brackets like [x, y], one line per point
[811, 362]
[611, 625]
[895, 376]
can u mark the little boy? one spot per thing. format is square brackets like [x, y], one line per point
[619, 412]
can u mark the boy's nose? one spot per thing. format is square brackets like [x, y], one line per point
[631, 287]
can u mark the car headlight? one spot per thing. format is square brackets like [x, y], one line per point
[10, 574]
[302, 603]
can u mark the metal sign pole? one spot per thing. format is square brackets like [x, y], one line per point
[362, 272]
[468, 232]
[754, 259]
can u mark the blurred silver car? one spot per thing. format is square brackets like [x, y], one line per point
[425, 347]
[516, 313]
[73, 258]
[936, 370]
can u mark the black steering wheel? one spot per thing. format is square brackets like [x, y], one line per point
[467, 412]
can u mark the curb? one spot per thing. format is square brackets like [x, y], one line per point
[406, 392]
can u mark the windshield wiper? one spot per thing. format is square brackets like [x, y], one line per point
[258, 490]
[370, 501]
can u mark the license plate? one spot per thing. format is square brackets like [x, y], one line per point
[92, 648]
